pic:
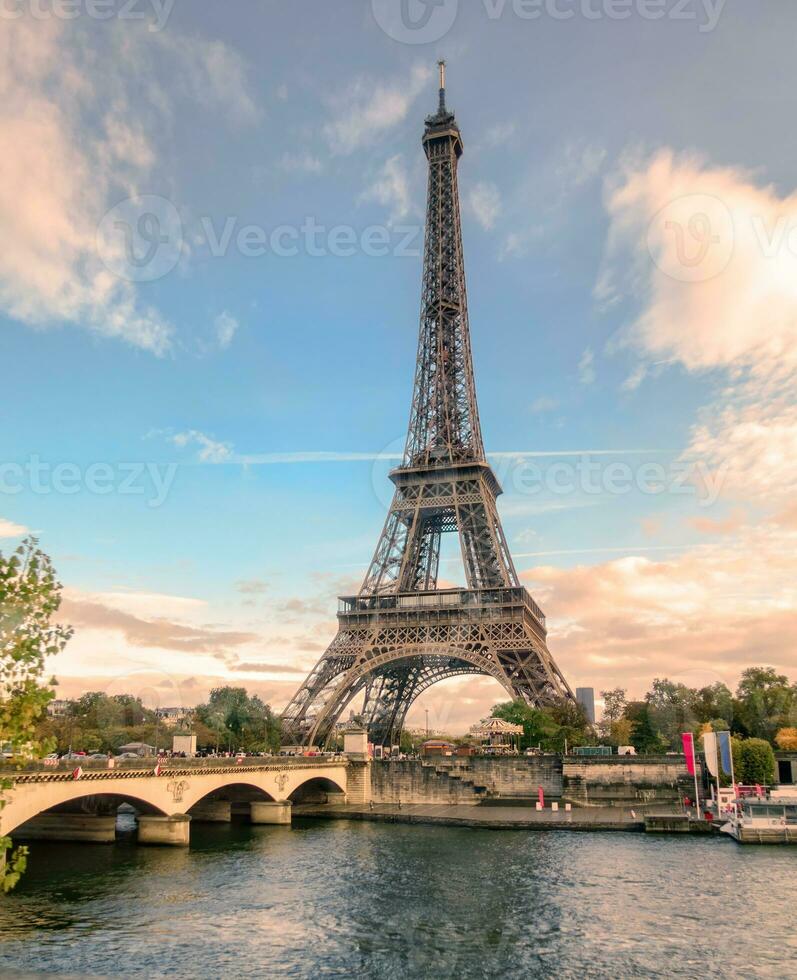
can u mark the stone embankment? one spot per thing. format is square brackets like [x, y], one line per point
[584, 782]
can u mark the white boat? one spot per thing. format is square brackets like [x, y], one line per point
[770, 819]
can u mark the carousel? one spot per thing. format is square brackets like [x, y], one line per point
[498, 737]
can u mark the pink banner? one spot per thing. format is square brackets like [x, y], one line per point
[688, 741]
[541, 795]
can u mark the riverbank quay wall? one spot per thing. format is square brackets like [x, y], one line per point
[606, 781]
[621, 780]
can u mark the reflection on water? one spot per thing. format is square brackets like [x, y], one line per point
[339, 899]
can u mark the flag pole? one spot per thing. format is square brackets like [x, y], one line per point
[688, 740]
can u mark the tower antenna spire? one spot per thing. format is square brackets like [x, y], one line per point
[441, 64]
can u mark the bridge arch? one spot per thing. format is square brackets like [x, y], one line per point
[236, 791]
[317, 789]
[34, 805]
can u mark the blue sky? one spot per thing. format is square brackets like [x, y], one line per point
[246, 382]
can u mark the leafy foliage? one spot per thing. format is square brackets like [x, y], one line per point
[765, 703]
[645, 738]
[546, 727]
[786, 739]
[239, 721]
[97, 722]
[756, 762]
[30, 595]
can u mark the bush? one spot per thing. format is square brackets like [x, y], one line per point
[757, 762]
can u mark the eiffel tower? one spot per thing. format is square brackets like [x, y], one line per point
[402, 633]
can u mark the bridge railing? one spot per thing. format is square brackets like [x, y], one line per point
[147, 764]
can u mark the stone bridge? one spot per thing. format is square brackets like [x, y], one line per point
[55, 805]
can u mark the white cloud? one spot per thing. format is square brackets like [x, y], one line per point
[635, 378]
[8, 529]
[586, 368]
[749, 440]
[226, 327]
[499, 134]
[544, 404]
[82, 120]
[710, 253]
[210, 450]
[301, 163]
[713, 609]
[212, 74]
[391, 188]
[366, 110]
[54, 188]
[484, 202]
[579, 164]
[517, 243]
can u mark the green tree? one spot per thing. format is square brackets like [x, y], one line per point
[672, 710]
[713, 702]
[573, 724]
[239, 720]
[551, 728]
[621, 732]
[645, 738]
[757, 762]
[614, 705]
[30, 595]
[765, 702]
[539, 728]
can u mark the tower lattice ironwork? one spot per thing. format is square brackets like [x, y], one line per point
[402, 633]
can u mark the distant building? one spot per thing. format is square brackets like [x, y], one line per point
[586, 698]
[184, 745]
[172, 716]
[59, 707]
[437, 746]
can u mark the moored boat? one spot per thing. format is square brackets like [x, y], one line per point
[770, 819]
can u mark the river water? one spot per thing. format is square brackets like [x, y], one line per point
[345, 899]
